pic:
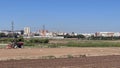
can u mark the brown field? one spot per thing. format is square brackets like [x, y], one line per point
[85, 62]
[34, 54]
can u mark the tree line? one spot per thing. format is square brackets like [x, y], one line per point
[92, 37]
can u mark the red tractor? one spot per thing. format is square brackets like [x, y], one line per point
[15, 44]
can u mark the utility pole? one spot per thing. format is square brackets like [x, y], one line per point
[12, 23]
[43, 30]
[43, 27]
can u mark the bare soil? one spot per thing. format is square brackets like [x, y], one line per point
[32, 53]
[97, 57]
[84, 62]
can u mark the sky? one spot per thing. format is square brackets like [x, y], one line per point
[81, 16]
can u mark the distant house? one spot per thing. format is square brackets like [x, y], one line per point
[20, 32]
[104, 34]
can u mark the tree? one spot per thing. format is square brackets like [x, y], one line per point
[22, 32]
[67, 36]
[81, 36]
[2, 35]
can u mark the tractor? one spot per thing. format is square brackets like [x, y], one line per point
[16, 43]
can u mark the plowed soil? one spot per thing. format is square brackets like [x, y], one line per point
[84, 62]
[107, 57]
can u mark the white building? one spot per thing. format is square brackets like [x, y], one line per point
[87, 34]
[105, 34]
[27, 30]
[117, 34]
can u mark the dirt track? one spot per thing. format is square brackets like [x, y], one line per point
[85, 62]
[38, 52]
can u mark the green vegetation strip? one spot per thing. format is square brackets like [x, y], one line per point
[93, 44]
[79, 44]
[45, 43]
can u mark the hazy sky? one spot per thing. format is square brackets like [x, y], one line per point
[61, 15]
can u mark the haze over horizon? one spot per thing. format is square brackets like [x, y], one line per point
[81, 16]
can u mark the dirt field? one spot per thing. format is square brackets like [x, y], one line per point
[38, 52]
[91, 61]
[85, 62]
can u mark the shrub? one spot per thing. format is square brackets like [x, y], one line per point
[28, 44]
[21, 39]
[48, 57]
[6, 40]
[39, 40]
[70, 56]
[34, 41]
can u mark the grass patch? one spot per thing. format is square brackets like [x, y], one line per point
[78, 44]
[93, 44]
